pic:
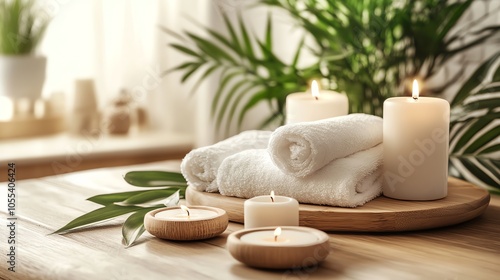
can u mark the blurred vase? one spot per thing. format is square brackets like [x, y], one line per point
[22, 76]
[85, 115]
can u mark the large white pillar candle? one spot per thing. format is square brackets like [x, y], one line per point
[315, 105]
[271, 210]
[416, 137]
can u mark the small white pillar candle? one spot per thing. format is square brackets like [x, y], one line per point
[270, 210]
[315, 105]
[416, 137]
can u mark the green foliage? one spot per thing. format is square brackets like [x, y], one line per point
[475, 129]
[21, 27]
[249, 71]
[371, 49]
[136, 202]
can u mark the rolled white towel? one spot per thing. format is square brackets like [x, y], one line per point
[200, 166]
[345, 182]
[302, 148]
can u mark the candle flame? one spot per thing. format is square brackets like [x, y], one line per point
[415, 91]
[185, 208]
[277, 232]
[315, 89]
[272, 196]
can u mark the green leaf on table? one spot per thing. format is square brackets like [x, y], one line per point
[98, 215]
[110, 198]
[155, 178]
[133, 227]
[152, 195]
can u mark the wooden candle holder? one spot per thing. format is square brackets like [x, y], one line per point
[283, 256]
[188, 229]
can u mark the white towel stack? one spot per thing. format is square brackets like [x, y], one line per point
[346, 182]
[335, 162]
[200, 166]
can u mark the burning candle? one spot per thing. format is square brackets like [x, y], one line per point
[183, 223]
[286, 247]
[416, 137]
[271, 210]
[316, 105]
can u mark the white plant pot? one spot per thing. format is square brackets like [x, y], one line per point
[22, 76]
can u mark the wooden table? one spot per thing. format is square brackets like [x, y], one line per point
[466, 251]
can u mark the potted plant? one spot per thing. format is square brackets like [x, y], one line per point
[22, 73]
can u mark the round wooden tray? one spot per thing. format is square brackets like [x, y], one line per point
[464, 202]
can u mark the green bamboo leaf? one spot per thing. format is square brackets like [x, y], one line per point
[222, 110]
[493, 149]
[133, 227]
[254, 100]
[232, 33]
[496, 75]
[490, 165]
[227, 77]
[152, 195]
[236, 102]
[205, 74]
[472, 129]
[490, 103]
[456, 10]
[298, 51]
[483, 140]
[106, 199]
[184, 49]
[477, 172]
[246, 39]
[475, 80]
[98, 215]
[155, 178]
[190, 72]
[211, 49]
[269, 33]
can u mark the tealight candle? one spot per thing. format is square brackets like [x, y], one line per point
[279, 248]
[183, 223]
[271, 210]
[416, 141]
[316, 105]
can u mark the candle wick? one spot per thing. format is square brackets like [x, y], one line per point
[275, 238]
[188, 214]
[272, 199]
[316, 98]
[415, 98]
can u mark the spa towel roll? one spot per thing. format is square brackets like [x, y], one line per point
[200, 166]
[345, 182]
[302, 148]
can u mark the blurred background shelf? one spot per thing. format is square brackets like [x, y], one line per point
[62, 153]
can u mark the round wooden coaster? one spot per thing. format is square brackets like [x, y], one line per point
[464, 202]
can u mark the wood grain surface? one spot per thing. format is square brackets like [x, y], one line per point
[464, 202]
[469, 250]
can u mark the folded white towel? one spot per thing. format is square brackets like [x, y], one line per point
[200, 166]
[345, 182]
[302, 148]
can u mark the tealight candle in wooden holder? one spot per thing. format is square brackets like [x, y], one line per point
[279, 248]
[183, 223]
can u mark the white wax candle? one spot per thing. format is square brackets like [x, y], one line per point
[315, 105]
[416, 137]
[261, 211]
[288, 237]
[178, 214]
